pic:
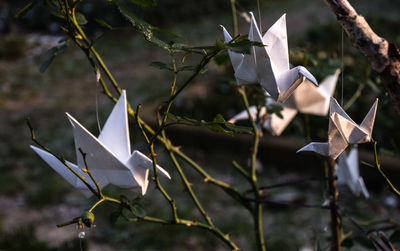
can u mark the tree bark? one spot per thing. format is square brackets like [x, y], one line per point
[383, 56]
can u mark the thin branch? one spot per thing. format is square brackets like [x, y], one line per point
[378, 166]
[257, 213]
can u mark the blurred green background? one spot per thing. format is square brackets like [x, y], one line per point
[33, 198]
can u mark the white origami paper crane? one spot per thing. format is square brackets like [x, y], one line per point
[307, 98]
[348, 173]
[269, 65]
[343, 131]
[108, 157]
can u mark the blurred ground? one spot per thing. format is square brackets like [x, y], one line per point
[33, 199]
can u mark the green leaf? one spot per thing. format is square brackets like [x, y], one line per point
[103, 23]
[46, 64]
[222, 59]
[218, 124]
[242, 46]
[21, 12]
[144, 3]
[169, 33]
[368, 164]
[275, 108]
[52, 52]
[81, 19]
[162, 66]
[147, 29]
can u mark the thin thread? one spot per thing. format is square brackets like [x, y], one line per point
[342, 65]
[259, 20]
[259, 16]
[97, 102]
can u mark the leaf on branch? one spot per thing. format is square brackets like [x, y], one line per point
[274, 108]
[162, 66]
[46, 64]
[103, 23]
[81, 19]
[22, 12]
[52, 53]
[147, 29]
[218, 124]
[242, 45]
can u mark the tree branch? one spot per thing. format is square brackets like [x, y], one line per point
[383, 56]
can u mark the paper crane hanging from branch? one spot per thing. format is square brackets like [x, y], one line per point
[307, 99]
[268, 65]
[343, 131]
[108, 157]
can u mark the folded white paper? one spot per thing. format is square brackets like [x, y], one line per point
[348, 172]
[343, 131]
[268, 65]
[307, 98]
[108, 157]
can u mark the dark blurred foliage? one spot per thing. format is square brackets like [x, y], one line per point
[164, 13]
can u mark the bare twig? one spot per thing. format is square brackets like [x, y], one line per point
[378, 166]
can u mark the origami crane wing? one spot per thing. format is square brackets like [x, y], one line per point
[368, 123]
[115, 133]
[277, 45]
[62, 170]
[350, 131]
[318, 147]
[286, 80]
[256, 67]
[100, 160]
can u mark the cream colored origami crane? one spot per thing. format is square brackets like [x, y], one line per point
[348, 173]
[268, 65]
[108, 157]
[307, 98]
[343, 131]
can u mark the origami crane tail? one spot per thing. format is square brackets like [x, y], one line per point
[115, 133]
[62, 170]
[321, 148]
[368, 123]
[236, 58]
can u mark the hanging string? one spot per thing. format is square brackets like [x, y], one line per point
[259, 15]
[342, 66]
[97, 102]
[259, 20]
